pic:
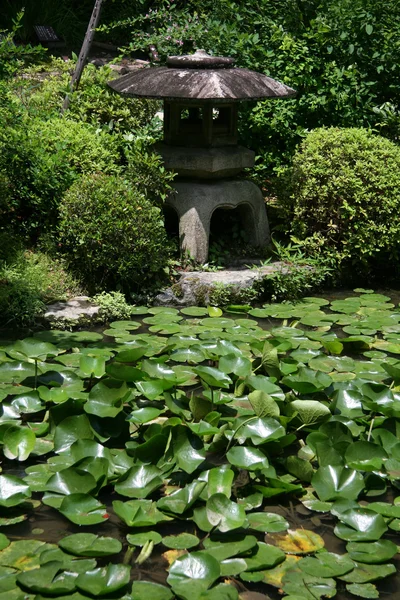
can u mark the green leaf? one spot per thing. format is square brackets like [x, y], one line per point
[104, 580]
[332, 482]
[139, 481]
[263, 404]
[308, 587]
[372, 552]
[369, 29]
[264, 556]
[220, 481]
[224, 514]
[180, 500]
[309, 412]
[181, 541]
[71, 481]
[214, 311]
[48, 580]
[365, 456]
[192, 574]
[89, 544]
[141, 539]
[307, 381]
[363, 573]
[326, 564]
[363, 590]
[13, 491]
[360, 525]
[261, 431]
[107, 399]
[267, 522]
[143, 590]
[213, 377]
[249, 458]
[139, 513]
[238, 365]
[228, 545]
[18, 442]
[83, 509]
[188, 450]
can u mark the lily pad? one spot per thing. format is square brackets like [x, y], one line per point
[192, 574]
[91, 545]
[83, 509]
[181, 541]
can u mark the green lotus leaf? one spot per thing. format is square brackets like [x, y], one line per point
[302, 585]
[107, 399]
[326, 564]
[249, 458]
[193, 354]
[219, 481]
[139, 513]
[223, 513]
[27, 403]
[332, 482]
[180, 500]
[264, 556]
[71, 481]
[372, 552]
[15, 372]
[203, 428]
[365, 456]
[143, 590]
[232, 567]
[69, 562]
[123, 372]
[24, 555]
[238, 365]
[83, 509]
[141, 539]
[188, 450]
[91, 545]
[13, 491]
[363, 590]
[229, 545]
[104, 580]
[261, 431]
[213, 377]
[251, 501]
[71, 429]
[4, 541]
[264, 384]
[360, 525]
[309, 412]
[144, 415]
[307, 381]
[18, 442]
[181, 541]
[192, 574]
[48, 579]
[195, 311]
[267, 522]
[363, 573]
[263, 404]
[33, 348]
[300, 468]
[92, 366]
[139, 481]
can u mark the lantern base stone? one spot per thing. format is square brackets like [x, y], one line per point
[195, 203]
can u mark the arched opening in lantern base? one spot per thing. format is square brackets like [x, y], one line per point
[231, 233]
[171, 223]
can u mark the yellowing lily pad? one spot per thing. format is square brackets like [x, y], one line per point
[298, 541]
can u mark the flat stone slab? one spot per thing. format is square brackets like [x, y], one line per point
[195, 287]
[77, 309]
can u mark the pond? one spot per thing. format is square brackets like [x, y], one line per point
[205, 455]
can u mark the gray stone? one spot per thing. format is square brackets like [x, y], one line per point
[206, 163]
[195, 203]
[195, 287]
[75, 310]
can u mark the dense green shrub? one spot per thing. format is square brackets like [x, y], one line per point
[40, 160]
[112, 235]
[29, 280]
[43, 88]
[345, 195]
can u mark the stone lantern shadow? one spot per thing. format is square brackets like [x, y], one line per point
[201, 95]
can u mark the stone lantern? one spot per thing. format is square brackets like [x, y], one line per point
[201, 95]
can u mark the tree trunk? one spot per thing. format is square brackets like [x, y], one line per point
[87, 42]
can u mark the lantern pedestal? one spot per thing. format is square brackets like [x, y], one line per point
[195, 202]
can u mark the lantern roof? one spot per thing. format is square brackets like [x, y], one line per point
[200, 76]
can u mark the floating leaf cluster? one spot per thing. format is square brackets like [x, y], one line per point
[192, 429]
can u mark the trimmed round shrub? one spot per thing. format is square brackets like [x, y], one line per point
[113, 236]
[345, 196]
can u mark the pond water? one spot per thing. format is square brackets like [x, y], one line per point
[277, 409]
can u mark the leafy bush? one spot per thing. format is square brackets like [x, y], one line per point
[345, 194]
[29, 280]
[111, 234]
[40, 161]
[44, 86]
[113, 305]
